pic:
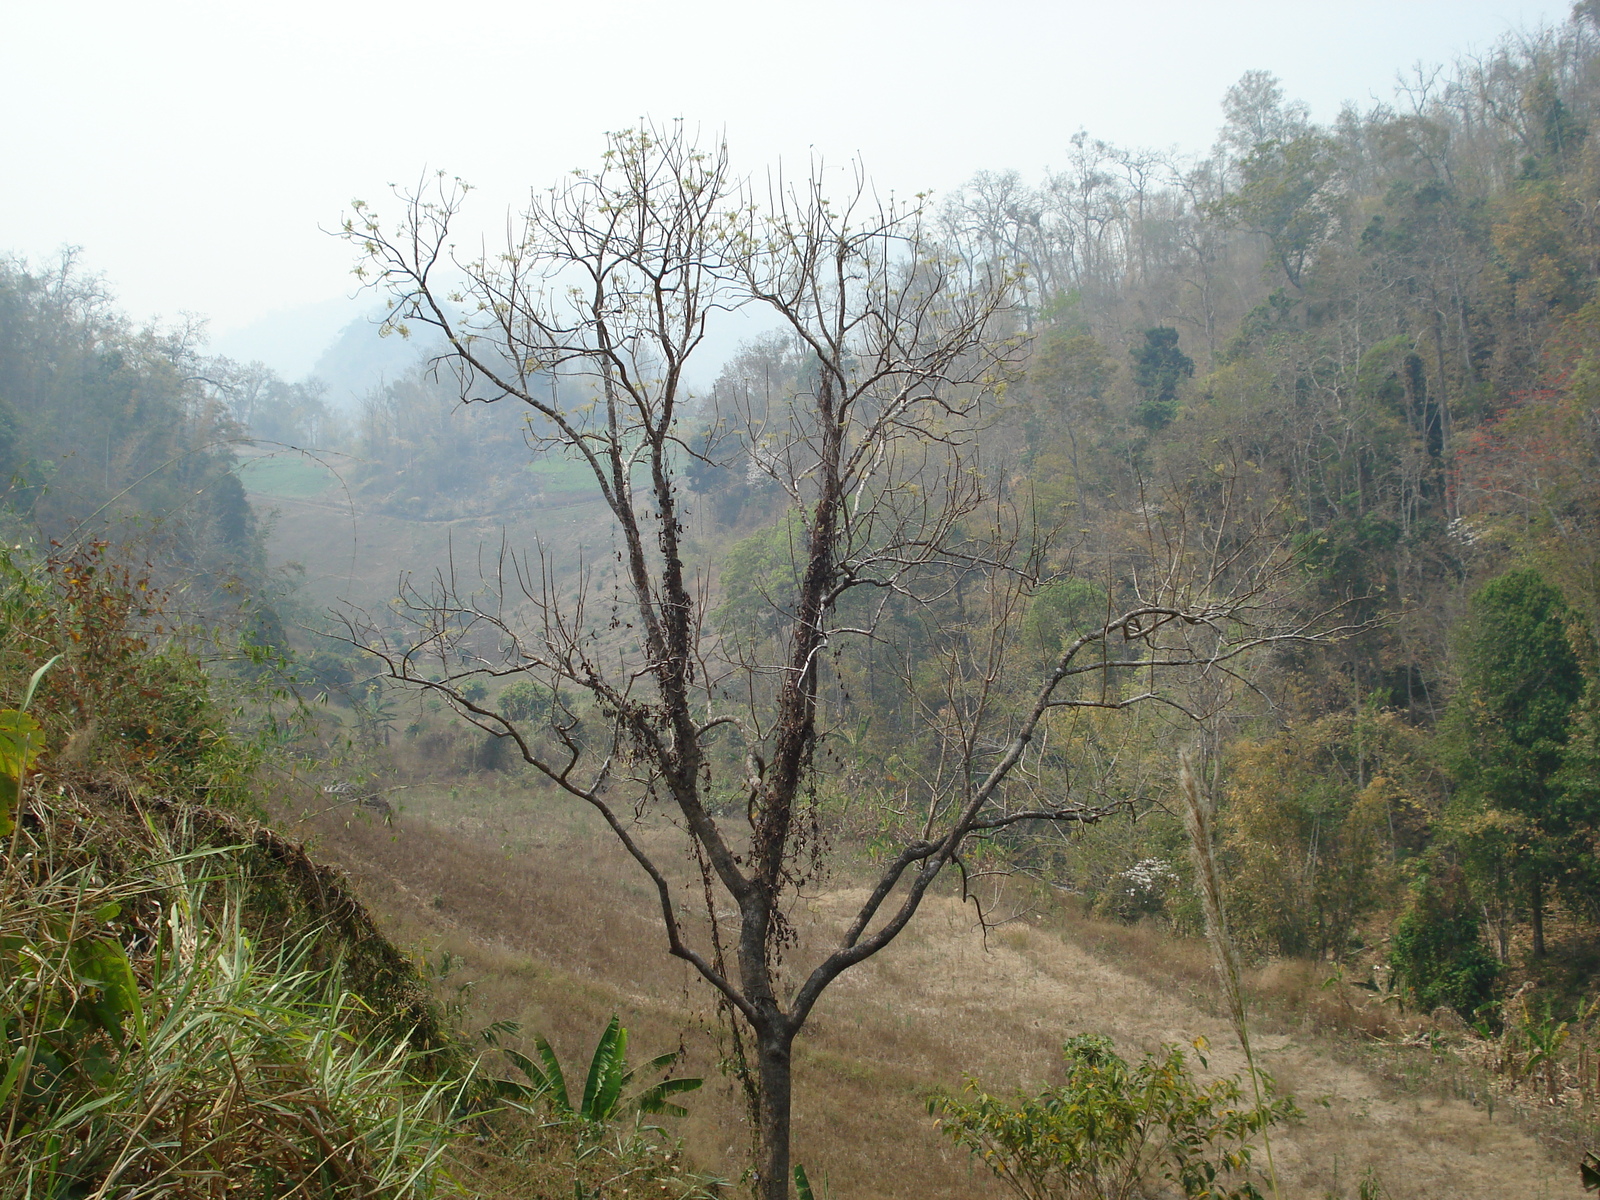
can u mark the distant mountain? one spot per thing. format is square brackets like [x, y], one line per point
[291, 340]
[335, 341]
[356, 360]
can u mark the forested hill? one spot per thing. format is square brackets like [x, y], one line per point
[1392, 323]
[111, 432]
[1387, 330]
[1344, 377]
[1393, 318]
[1384, 330]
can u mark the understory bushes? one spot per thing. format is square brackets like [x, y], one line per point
[1438, 953]
[1112, 1130]
[126, 699]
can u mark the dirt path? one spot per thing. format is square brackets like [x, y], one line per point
[1029, 988]
[558, 934]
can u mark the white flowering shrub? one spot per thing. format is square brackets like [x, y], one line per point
[1140, 891]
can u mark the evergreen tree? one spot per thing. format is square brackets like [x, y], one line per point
[1157, 367]
[1506, 727]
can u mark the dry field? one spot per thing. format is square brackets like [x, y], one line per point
[554, 931]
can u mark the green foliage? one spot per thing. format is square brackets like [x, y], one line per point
[526, 700]
[331, 669]
[802, 1185]
[1284, 196]
[1110, 1131]
[1519, 681]
[21, 742]
[292, 476]
[1062, 610]
[1505, 732]
[1157, 367]
[149, 1044]
[605, 1097]
[125, 697]
[1351, 551]
[1437, 955]
[758, 574]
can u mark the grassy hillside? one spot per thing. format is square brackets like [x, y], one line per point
[547, 924]
[352, 551]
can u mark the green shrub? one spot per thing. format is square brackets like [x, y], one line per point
[1062, 610]
[525, 700]
[126, 700]
[605, 1098]
[1111, 1131]
[1437, 955]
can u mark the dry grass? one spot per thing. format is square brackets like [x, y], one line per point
[349, 552]
[555, 931]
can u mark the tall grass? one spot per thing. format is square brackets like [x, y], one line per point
[1200, 820]
[149, 1046]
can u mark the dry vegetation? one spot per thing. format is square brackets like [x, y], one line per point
[350, 551]
[546, 925]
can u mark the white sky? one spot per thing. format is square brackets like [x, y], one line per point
[194, 149]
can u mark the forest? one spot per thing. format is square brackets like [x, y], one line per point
[1181, 567]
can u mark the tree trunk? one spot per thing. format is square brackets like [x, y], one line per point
[1536, 899]
[773, 1049]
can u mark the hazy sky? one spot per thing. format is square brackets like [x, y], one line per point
[194, 149]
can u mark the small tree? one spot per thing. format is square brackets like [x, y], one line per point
[891, 510]
[1506, 727]
[1158, 365]
[1438, 957]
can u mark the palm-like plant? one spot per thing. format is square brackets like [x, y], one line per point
[604, 1098]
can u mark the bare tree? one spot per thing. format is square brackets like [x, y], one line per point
[610, 279]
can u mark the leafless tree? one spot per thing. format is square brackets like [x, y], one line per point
[610, 279]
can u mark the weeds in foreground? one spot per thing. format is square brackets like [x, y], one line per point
[148, 1047]
[528, 1155]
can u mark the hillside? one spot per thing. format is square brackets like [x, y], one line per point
[549, 927]
[1157, 601]
[1270, 469]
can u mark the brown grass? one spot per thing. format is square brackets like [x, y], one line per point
[555, 931]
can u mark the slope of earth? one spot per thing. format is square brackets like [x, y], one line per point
[546, 924]
[350, 551]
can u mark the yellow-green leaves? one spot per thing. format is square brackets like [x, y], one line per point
[21, 741]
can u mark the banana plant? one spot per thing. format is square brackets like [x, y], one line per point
[604, 1098]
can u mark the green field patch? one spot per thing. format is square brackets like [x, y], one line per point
[561, 479]
[291, 476]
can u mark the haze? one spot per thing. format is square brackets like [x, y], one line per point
[196, 151]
